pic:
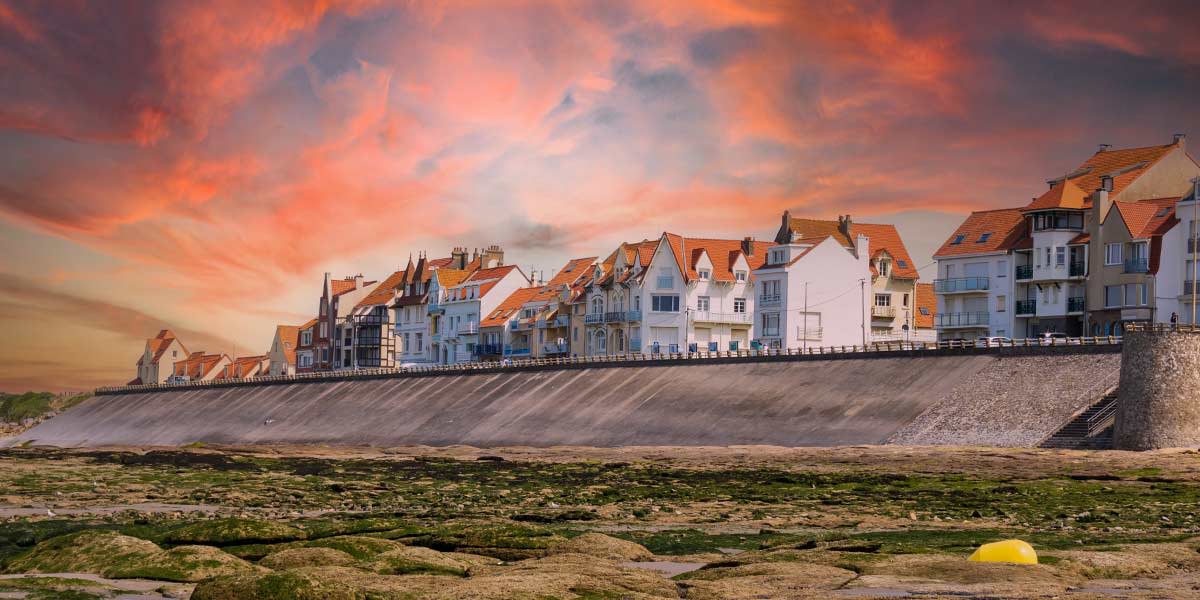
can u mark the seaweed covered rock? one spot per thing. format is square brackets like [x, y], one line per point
[602, 546]
[407, 560]
[360, 547]
[313, 583]
[293, 558]
[234, 531]
[110, 554]
[505, 542]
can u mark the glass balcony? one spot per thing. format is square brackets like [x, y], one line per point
[554, 349]
[468, 328]
[485, 349]
[1076, 304]
[633, 315]
[1078, 269]
[1026, 307]
[511, 351]
[1024, 271]
[1137, 265]
[960, 285]
[961, 319]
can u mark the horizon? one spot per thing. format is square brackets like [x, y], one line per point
[199, 167]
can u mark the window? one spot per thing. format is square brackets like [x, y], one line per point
[739, 305]
[597, 306]
[1112, 295]
[324, 329]
[902, 264]
[739, 275]
[664, 303]
[405, 347]
[1047, 256]
[1060, 256]
[983, 238]
[777, 257]
[702, 303]
[884, 267]
[770, 324]
[905, 300]
[883, 299]
[306, 338]
[1135, 294]
[575, 334]
[958, 239]
[925, 310]
[1001, 268]
[174, 353]
[771, 289]
[666, 282]
[1112, 254]
[420, 342]
[704, 274]
[1037, 257]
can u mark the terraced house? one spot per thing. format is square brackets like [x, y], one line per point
[328, 342]
[1063, 267]
[411, 311]
[282, 355]
[162, 347]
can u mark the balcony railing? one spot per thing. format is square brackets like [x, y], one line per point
[1077, 269]
[485, 349]
[554, 349]
[770, 300]
[1076, 304]
[960, 284]
[614, 316]
[1026, 307]
[467, 329]
[633, 316]
[635, 345]
[1137, 265]
[552, 323]
[593, 318]
[962, 319]
[705, 316]
[883, 312]
[510, 351]
[1024, 271]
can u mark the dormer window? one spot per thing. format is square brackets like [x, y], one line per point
[739, 275]
[777, 256]
[884, 267]
[704, 274]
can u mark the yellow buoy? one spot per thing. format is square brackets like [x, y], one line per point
[1009, 551]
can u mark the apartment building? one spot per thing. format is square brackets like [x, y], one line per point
[464, 304]
[1182, 249]
[305, 347]
[338, 296]
[1067, 264]
[282, 356]
[501, 334]
[369, 328]
[814, 291]
[974, 285]
[410, 311]
[613, 301]
[893, 277]
[164, 347]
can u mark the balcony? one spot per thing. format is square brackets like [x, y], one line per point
[1024, 272]
[552, 323]
[633, 316]
[1137, 265]
[705, 316]
[1025, 308]
[960, 285]
[635, 345]
[961, 319]
[1191, 245]
[883, 312]
[593, 318]
[770, 300]
[1076, 304]
[467, 329]
[510, 351]
[1077, 269]
[486, 349]
[614, 316]
[433, 308]
[554, 349]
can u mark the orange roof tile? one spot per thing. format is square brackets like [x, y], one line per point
[384, 292]
[509, 307]
[451, 277]
[487, 278]
[926, 305]
[197, 365]
[883, 238]
[1124, 165]
[288, 335]
[1066, 194]
[1000, 230]
[722, 253]
[309, 324]
[340, 286]
[242, 367]
[571, 272]
[1147, 218]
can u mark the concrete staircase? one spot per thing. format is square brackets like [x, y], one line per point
[1091, 429]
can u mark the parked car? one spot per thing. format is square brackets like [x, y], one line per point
[178, 379]
[992, 341]
[1051, 338]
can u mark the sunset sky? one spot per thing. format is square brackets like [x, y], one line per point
[199, 165]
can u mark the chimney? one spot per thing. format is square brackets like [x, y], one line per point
[1180, 139]
[748, 246]
[1104, 147]
[458, 258]
[492, 256]
[358, 281]
[844, 224]
[1106, 183]
[785, 230]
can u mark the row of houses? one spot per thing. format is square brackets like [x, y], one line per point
[1106, 244]
[817, 283]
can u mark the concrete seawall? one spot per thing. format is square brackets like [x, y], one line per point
[789, 402]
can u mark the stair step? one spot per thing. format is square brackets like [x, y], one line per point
[1074, 433]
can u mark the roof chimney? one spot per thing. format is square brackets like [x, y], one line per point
[1106, 183]
[748, 246]
[844, 224]
[1180, 139]
[1104, 147]
[458, 258]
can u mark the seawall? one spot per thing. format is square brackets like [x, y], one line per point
[786, 401]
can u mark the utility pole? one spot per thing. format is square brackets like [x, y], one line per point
[1194, 237]
[862, 284]
[804, 343]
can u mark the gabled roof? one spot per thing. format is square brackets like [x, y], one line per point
[1000, 230]
[926, 306]
[811, 243]
[883, 238]
[509, 307]
[487, 278]
[575, 269]
[288, 336]
[450, 277]
[198, 364]
[158, 345]
[384, 292]
[1147, 218]
[309, 324]
[1124, 166]
[1065, 194]
[242, 367]
[337, 287]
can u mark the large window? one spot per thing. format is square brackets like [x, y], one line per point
[1113, 295]
[1060, 256]
[1135, 294]
[702, 303]
[770, 289]
[1057, 220]
[770, 324]
[664, 303]
[666, 282]
[1112, 254]
[883, 299]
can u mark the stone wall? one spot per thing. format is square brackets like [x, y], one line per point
[1159, 406]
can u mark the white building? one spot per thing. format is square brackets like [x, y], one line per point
[282, 356]
[1177, 286]
[814, 292]
[974, 284]
[462, 305]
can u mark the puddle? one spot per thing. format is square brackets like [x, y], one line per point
[665, 567]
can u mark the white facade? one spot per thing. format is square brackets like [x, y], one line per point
[463, 306]
[412, 333]
[1173, 284]
[813, 294]
[975, 296]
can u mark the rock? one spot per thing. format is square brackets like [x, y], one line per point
[292, 558]
[234, 531]
[602, 546]
[407, 560]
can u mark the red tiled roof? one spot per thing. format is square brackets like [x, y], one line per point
[158, 345]
[571, 272]
[883, 238]
[1124, 165]
[198, 364]
[1082, 238]
[488, 278]
[509, 307]
[1148, 218]
[926, 305]
[337, 287]
[242, 367]
[721, 253]
[1065, 194]
[309, 324]
[288, 336]
[384, 292]
[1006, 229]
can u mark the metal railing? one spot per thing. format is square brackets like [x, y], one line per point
[1191, 245]
[593, 318]
[1077, 269]
[1137, 265]
[1161, 327]
[1026, 307]
[706, 316]
[633, 315]
[614, 316]
[1024, 271]
[467, 329]
[769, 299]
[961, 284]
[554, 349]
[510, 351]
[886, 312]
[664, 353]
[1101, 420]
[1076, 304]
[962, 319]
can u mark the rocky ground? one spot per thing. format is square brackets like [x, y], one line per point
[589, 523]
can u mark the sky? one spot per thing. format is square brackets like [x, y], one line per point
[200, 165]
